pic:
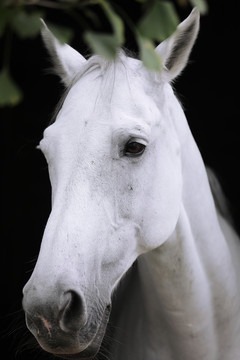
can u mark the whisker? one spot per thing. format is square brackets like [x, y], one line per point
[17, 337]
[34, 259]
[101, 354]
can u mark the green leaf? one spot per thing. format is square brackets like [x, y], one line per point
[201, 5]
[102, 44]
[26, 25]
[62, 33]
[10, 93]
[116, 22]
[92, 16]
[106, 44]
[151, 60]
[5, 16]
[160, 22]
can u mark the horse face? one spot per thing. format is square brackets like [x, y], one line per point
[115, 170]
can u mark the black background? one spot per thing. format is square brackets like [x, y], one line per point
[209, 91]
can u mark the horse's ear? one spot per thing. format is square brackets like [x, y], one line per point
[67, 61]
[176, 49]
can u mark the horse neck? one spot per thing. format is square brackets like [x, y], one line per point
[190, 282]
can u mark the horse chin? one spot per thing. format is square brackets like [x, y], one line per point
[89, 353]
[86, 354]
[93, 348]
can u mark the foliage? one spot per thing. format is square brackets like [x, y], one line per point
[158, 20]
[10, 94]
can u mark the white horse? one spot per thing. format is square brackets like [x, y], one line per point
[128, 183]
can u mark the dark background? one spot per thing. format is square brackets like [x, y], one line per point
[209, 91]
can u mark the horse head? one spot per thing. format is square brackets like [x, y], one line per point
[114, 162]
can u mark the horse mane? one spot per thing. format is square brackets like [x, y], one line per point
[220, 200]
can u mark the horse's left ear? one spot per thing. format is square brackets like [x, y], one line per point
[67, 61]
[175, 50]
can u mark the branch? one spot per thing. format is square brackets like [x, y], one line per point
[56, 5]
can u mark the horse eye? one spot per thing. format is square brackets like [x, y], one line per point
[134, 148]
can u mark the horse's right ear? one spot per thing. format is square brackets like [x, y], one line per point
[67, 61]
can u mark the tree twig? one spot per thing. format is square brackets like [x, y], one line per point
[63, 6]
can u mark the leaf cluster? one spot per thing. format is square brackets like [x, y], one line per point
[158, 20]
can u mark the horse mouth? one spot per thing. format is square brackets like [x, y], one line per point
[93, 348]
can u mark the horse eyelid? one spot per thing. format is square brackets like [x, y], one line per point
[134, 155]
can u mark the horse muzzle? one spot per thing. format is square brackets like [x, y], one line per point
[63, 325]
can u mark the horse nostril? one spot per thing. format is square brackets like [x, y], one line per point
[73, 313]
